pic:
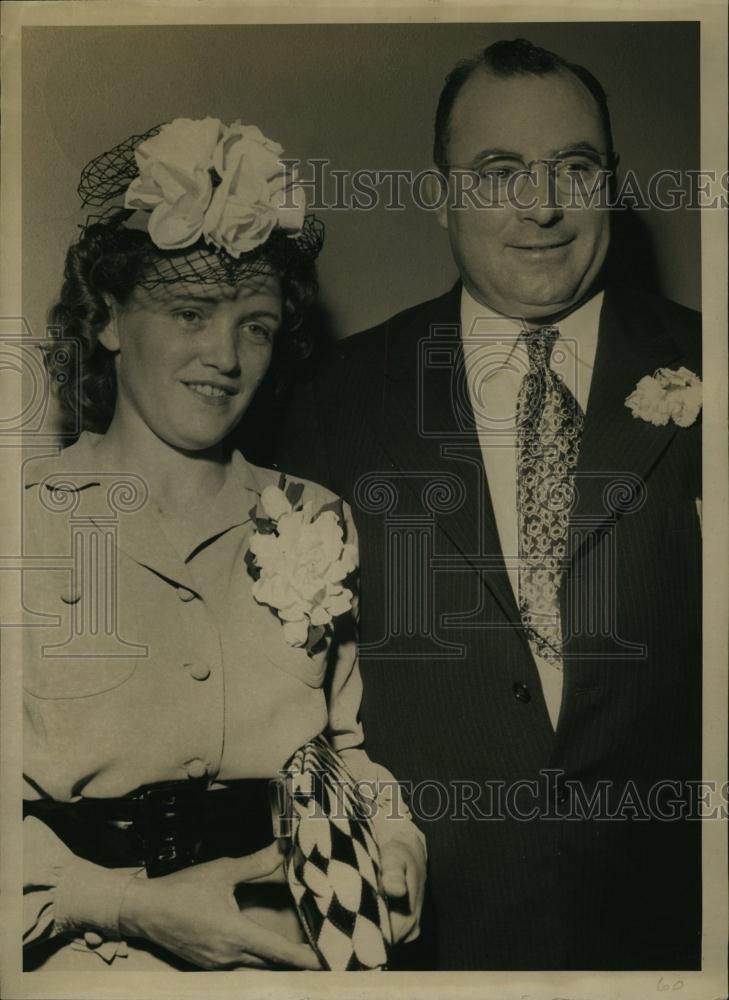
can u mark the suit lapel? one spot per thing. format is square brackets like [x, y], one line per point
[428, 427]
[618, 451]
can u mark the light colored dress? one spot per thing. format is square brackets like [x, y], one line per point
[156, 664]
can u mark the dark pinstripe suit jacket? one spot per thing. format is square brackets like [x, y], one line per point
[526, 869]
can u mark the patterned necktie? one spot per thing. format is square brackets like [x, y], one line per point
[549, 428]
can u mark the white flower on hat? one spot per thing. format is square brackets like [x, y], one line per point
[224, 183]
[242, 214]
[175, 182]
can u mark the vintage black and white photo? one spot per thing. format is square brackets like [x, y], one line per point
[364, 603]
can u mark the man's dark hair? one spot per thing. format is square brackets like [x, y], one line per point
[511, 58]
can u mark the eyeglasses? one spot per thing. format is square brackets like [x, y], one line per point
[575, 173]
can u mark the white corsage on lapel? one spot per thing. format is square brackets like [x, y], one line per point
[299, 561]
[667, 395]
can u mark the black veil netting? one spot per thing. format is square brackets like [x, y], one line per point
[108, 176]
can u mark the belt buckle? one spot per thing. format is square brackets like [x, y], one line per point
[173, 827]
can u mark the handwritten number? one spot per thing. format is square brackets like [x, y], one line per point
[662, 985]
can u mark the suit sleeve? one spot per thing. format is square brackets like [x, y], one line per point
[391, 818]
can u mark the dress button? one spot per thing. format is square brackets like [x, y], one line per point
[196, 769]
[198, 671]
[71, 596]
[92, 939]
[185, 594]
[521, 692]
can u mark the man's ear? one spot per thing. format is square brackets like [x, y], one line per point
[437, 195]
[616, 170]
[109, 336]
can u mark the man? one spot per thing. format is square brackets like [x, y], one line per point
[530, 548]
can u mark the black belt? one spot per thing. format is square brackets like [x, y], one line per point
[164, 827]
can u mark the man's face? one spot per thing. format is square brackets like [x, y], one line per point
[526, 261]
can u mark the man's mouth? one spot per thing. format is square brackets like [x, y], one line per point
[540, 248]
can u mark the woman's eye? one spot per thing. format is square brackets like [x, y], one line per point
[188, 317]
[257, 331]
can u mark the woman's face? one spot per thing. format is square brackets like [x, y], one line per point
[191, 356]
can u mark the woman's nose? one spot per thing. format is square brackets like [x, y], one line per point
[220, 346]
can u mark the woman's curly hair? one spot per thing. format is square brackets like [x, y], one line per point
[111, 260]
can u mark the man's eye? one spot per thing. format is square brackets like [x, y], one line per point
[577, 167]
[499, 172]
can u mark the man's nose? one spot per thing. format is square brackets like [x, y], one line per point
[537, 201]
[220, 345]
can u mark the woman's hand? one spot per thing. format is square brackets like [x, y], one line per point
[193, 914]
[403, 879]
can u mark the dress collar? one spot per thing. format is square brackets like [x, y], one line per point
[143, 532]
[229, 509]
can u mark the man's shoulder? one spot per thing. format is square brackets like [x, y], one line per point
[374, 343]
[413, 316]
[664, 308]
[679, 322]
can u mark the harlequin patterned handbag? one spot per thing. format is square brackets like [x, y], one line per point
[333, 865]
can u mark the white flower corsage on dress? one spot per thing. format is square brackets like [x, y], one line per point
[667, 395]
[299, 561]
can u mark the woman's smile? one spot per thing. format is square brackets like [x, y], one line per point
[212, 393]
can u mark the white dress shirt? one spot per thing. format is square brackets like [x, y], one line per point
[496, 361]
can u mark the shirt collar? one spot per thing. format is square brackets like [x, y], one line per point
[578, 330]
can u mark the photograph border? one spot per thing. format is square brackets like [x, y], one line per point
[711, 981]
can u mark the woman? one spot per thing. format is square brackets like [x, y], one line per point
[183, 652]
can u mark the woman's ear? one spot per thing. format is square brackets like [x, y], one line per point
[109, 336]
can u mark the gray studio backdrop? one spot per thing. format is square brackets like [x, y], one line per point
[359, 95]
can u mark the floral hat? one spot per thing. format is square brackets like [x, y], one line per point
[215, 198]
